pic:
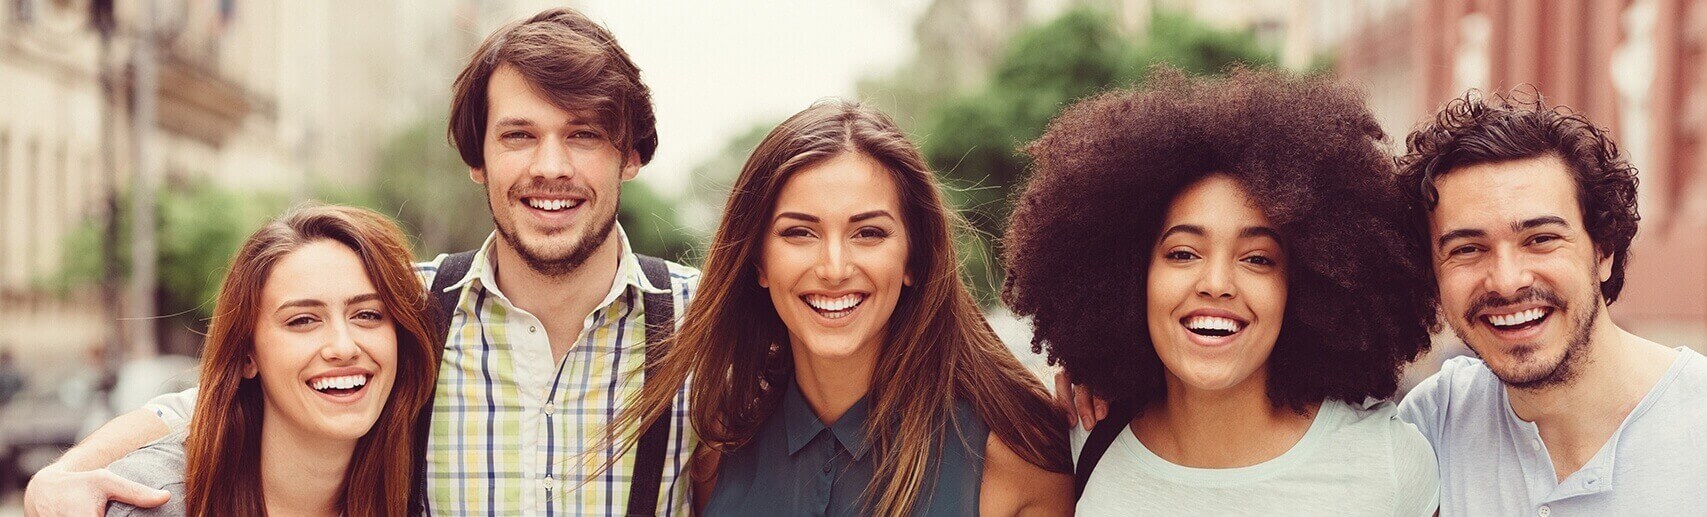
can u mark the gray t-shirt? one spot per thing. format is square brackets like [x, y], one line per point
[158, 465]
[1493, 463]
[1354, 460]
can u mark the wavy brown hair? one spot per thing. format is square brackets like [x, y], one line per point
[1309, 155]
[1476, 129]
[937, 337]
[223, 449]
[572, 61]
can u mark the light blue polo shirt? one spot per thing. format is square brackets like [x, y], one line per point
[1492, 463]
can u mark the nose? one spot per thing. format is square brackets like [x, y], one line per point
[341, 344]
[552, 159]
[1508, 273]
[1216, 280]
[833, 265]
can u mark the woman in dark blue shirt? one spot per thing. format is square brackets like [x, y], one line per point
[839, 365]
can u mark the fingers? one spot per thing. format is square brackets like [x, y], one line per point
[127, 491]
[1086, 407]
[1064, 397]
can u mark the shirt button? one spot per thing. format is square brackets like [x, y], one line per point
[549, 409]
[1535, 445]
[1545, 511]
[532, 329]
[547, 482]
[826, 468]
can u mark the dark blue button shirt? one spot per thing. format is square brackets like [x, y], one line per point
[798, 466]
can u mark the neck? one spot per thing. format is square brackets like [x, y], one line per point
[301, 475]
[1617, 371]
[831, 385]
[539, 293]
[1226, 428]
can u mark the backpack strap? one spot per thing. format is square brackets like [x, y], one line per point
[1119, 417]
[660, 323]
[451, 270]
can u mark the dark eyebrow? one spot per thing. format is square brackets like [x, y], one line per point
[300, 303]
[1259, 231]
[869, 215]
[1183, 228]
[317, 303]
[1462, 233]
[513, 122]
[797, 215]
[1539, 221]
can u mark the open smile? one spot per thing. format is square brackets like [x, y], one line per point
[341, 388]
[1213, 327]
[834, 307]
[552, 208]
[1518, 324]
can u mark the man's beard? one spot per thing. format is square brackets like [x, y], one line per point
[1576, 347]
[556, 267]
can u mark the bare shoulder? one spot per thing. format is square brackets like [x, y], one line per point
[1014, 486]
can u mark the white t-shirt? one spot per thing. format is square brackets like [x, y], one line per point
[1352, 461]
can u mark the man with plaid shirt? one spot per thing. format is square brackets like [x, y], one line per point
[547, 321]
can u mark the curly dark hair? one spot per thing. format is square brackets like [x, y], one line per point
[1079, 244]
[1473, 130]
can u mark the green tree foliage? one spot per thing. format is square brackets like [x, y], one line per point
[200, 226]
[973, 139]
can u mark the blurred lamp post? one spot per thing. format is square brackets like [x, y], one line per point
[145, 72]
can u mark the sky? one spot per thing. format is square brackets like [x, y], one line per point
[718, 68]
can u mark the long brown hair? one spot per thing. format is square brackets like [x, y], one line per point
[223, 449]
[937, 335]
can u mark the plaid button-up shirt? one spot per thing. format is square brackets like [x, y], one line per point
[510, 425]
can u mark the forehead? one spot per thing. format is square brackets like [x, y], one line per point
[848, 183]
[1216, 201]
[321, 270]
[510, 95]
[1490, 195]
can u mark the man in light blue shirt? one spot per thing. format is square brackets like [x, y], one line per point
[1529, 213]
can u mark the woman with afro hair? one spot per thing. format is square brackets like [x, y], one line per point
[1222, 259]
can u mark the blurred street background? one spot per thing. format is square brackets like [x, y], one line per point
[142, 140]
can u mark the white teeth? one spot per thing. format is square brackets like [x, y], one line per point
[1212, 323]
[552, 205]
[342, 382]
[1519, 318]
[825, 303]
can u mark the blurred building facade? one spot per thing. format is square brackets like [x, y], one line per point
[258, 96]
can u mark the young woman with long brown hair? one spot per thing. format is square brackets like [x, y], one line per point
[839, 364]
[316, 363]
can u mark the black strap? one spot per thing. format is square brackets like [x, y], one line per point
[1119, 416]
[451, 270]
[660, 323]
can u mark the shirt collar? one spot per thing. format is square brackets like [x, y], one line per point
[628, 271]
[803, 425]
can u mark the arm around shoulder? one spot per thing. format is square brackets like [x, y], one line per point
[1013, 486]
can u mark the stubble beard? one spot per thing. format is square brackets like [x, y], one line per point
[560, 266]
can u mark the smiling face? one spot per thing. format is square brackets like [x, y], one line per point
[552, 177]
[1216, 287]
[835, 256]
[1519, 277]
[325, 346]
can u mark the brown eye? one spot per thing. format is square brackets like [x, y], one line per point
[1180, 255]
[870, 232]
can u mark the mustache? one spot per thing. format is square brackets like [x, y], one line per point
[1525, 295]
[548, 187]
